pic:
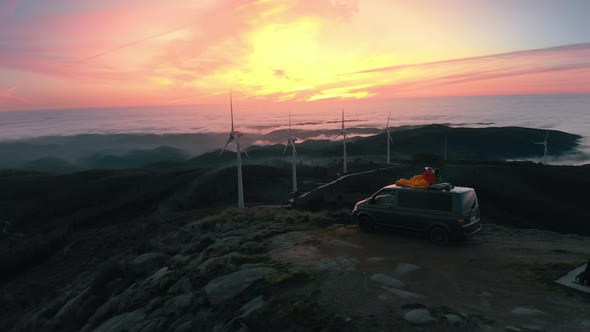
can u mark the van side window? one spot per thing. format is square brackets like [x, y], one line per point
[422, 200]
[385, 197]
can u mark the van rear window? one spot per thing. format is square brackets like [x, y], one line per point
[422, 200]
[469, 200]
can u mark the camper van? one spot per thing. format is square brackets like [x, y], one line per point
[444, 212]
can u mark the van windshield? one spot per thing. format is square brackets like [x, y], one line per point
[469, 201]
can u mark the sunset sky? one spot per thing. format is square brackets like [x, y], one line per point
[88, 53]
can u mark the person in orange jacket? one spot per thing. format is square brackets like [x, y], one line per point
[419, 181]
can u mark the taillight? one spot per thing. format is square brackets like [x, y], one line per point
[461, 220]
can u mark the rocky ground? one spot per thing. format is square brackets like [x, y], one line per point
[275, 269]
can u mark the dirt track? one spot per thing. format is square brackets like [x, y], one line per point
[500, 279]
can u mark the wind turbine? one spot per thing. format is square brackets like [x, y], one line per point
[389, 139]
[445, 147]
[291, 141]
[234, 135]
[545, 151]
[344, 139]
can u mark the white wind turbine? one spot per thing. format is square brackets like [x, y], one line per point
[389, 139]
[291, 142]
[234, 135]
[545, 151]
[344, 139]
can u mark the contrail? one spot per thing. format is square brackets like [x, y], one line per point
[8, 95]
[135, 42]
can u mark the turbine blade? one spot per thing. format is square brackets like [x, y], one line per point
[246, 153]
[225, 146]
[293, 145]
[343, 120]
[335, 137]
[546, 136]
[286, 146]
[388, 121]
[390, 138]
[231, 108]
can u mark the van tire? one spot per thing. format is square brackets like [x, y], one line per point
[438, 235]
[366, 224]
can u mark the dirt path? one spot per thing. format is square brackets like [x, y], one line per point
[501, 279]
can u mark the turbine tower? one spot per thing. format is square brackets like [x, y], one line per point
[344, 139]
[545, 151]
[234, 135]
[291, 142]
[389, 139]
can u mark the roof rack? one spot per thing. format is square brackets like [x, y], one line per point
[441, 186]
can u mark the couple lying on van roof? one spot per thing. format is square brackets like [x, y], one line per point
[424, 180]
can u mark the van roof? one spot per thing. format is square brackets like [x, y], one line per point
[454, 190]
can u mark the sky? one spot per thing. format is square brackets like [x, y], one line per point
[88, 53]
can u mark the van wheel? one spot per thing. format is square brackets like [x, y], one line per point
[439, 235]
[366, 224]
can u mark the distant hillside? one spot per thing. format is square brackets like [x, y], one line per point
[82, 152]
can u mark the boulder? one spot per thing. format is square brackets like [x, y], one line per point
[418, 316]
[227, 287]
[386, 280]
[156, 279]
[146, 263]
[123, 322]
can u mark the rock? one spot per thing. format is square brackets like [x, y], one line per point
[251, 247]
[486, 295]
[181, 286]
[122, 322]
[286, 240]
[185, 327]
[70, 309]
[179, 259]
[386, 280]
[156, 279]
[223, 262]
[181, 323]
[224, 245]
[146, 263]
[418, 316]
[146, 326]
[253, 305]
[179, 304]
[349, 264]
[107, 309]
[453, 319]
[523, 311]
[404, 268]
[403, 294]
[251, 265]
[339, 243]
[197, 244]
[228, 286]
[375, 259]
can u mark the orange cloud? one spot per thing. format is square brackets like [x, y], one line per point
[137, 52]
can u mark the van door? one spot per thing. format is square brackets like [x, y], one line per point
[382, 206]
[421, 209]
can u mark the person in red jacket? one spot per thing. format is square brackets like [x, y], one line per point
[419, 181]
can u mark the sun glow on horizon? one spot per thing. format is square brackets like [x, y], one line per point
[280, 51]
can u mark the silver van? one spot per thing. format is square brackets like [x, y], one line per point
[442, 211]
